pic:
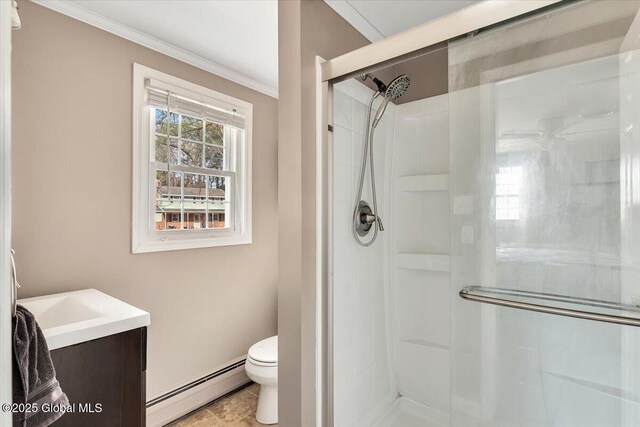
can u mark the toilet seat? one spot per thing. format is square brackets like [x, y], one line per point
[264, 353]
[259, 363]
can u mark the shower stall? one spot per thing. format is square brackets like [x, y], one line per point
[483, 243]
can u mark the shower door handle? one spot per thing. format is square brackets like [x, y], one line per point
[496, 296]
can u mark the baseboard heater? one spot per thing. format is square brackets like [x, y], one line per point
[195, 383]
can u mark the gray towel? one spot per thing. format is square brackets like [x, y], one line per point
[34, 377]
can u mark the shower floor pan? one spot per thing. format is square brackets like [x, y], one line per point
[407, 413]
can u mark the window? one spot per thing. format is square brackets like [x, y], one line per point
[508, 187]
[192, 165]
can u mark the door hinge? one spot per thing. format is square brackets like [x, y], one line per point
[330, 128]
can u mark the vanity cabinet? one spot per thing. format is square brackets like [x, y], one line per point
[104, 380]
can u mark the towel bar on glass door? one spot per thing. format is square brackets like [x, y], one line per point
[496, 296]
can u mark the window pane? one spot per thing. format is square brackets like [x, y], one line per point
[514, 202]
[194, 221]
[216, 201]
[191, 128]
[195, 185]
[501, 202]
[174, 124]
[508, 188]
[216, 185]
[214, 157]
[195, 193]
[175, 151]
[191, 154]
[162, 150]
[161, 183]
[161, 121]
[168, 201]
[213, 133]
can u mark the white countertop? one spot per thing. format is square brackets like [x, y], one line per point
[73, 317]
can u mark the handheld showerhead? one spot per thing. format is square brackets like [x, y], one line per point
[394, 90]
[381, 109]
[398, 87]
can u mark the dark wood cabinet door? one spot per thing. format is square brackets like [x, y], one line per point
[109, 371]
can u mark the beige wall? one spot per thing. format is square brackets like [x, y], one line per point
[306, 29]
[72, 200]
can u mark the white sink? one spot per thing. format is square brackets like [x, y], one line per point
[74, 317]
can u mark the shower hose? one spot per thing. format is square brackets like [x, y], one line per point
[367, 152]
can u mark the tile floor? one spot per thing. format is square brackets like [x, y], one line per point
[236, 410]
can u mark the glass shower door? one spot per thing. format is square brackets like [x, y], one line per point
[545, 188]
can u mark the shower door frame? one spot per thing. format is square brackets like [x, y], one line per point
[387, 51]
[463, 21]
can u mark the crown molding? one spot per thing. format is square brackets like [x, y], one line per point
[357, 21]
[75, 11]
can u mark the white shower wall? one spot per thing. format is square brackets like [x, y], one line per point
[391, 300]
[419, 251]
[364, 384]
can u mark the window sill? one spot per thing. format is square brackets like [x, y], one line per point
[191, 243]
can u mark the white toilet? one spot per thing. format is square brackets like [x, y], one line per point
[262, 368]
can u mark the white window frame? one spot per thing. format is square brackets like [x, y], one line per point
[144, 236]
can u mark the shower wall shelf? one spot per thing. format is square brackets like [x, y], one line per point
[561, 305]
[438, 182]
[428, 262]
[425, 343]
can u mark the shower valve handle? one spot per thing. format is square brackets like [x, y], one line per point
[367, 218]
[370, 218]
